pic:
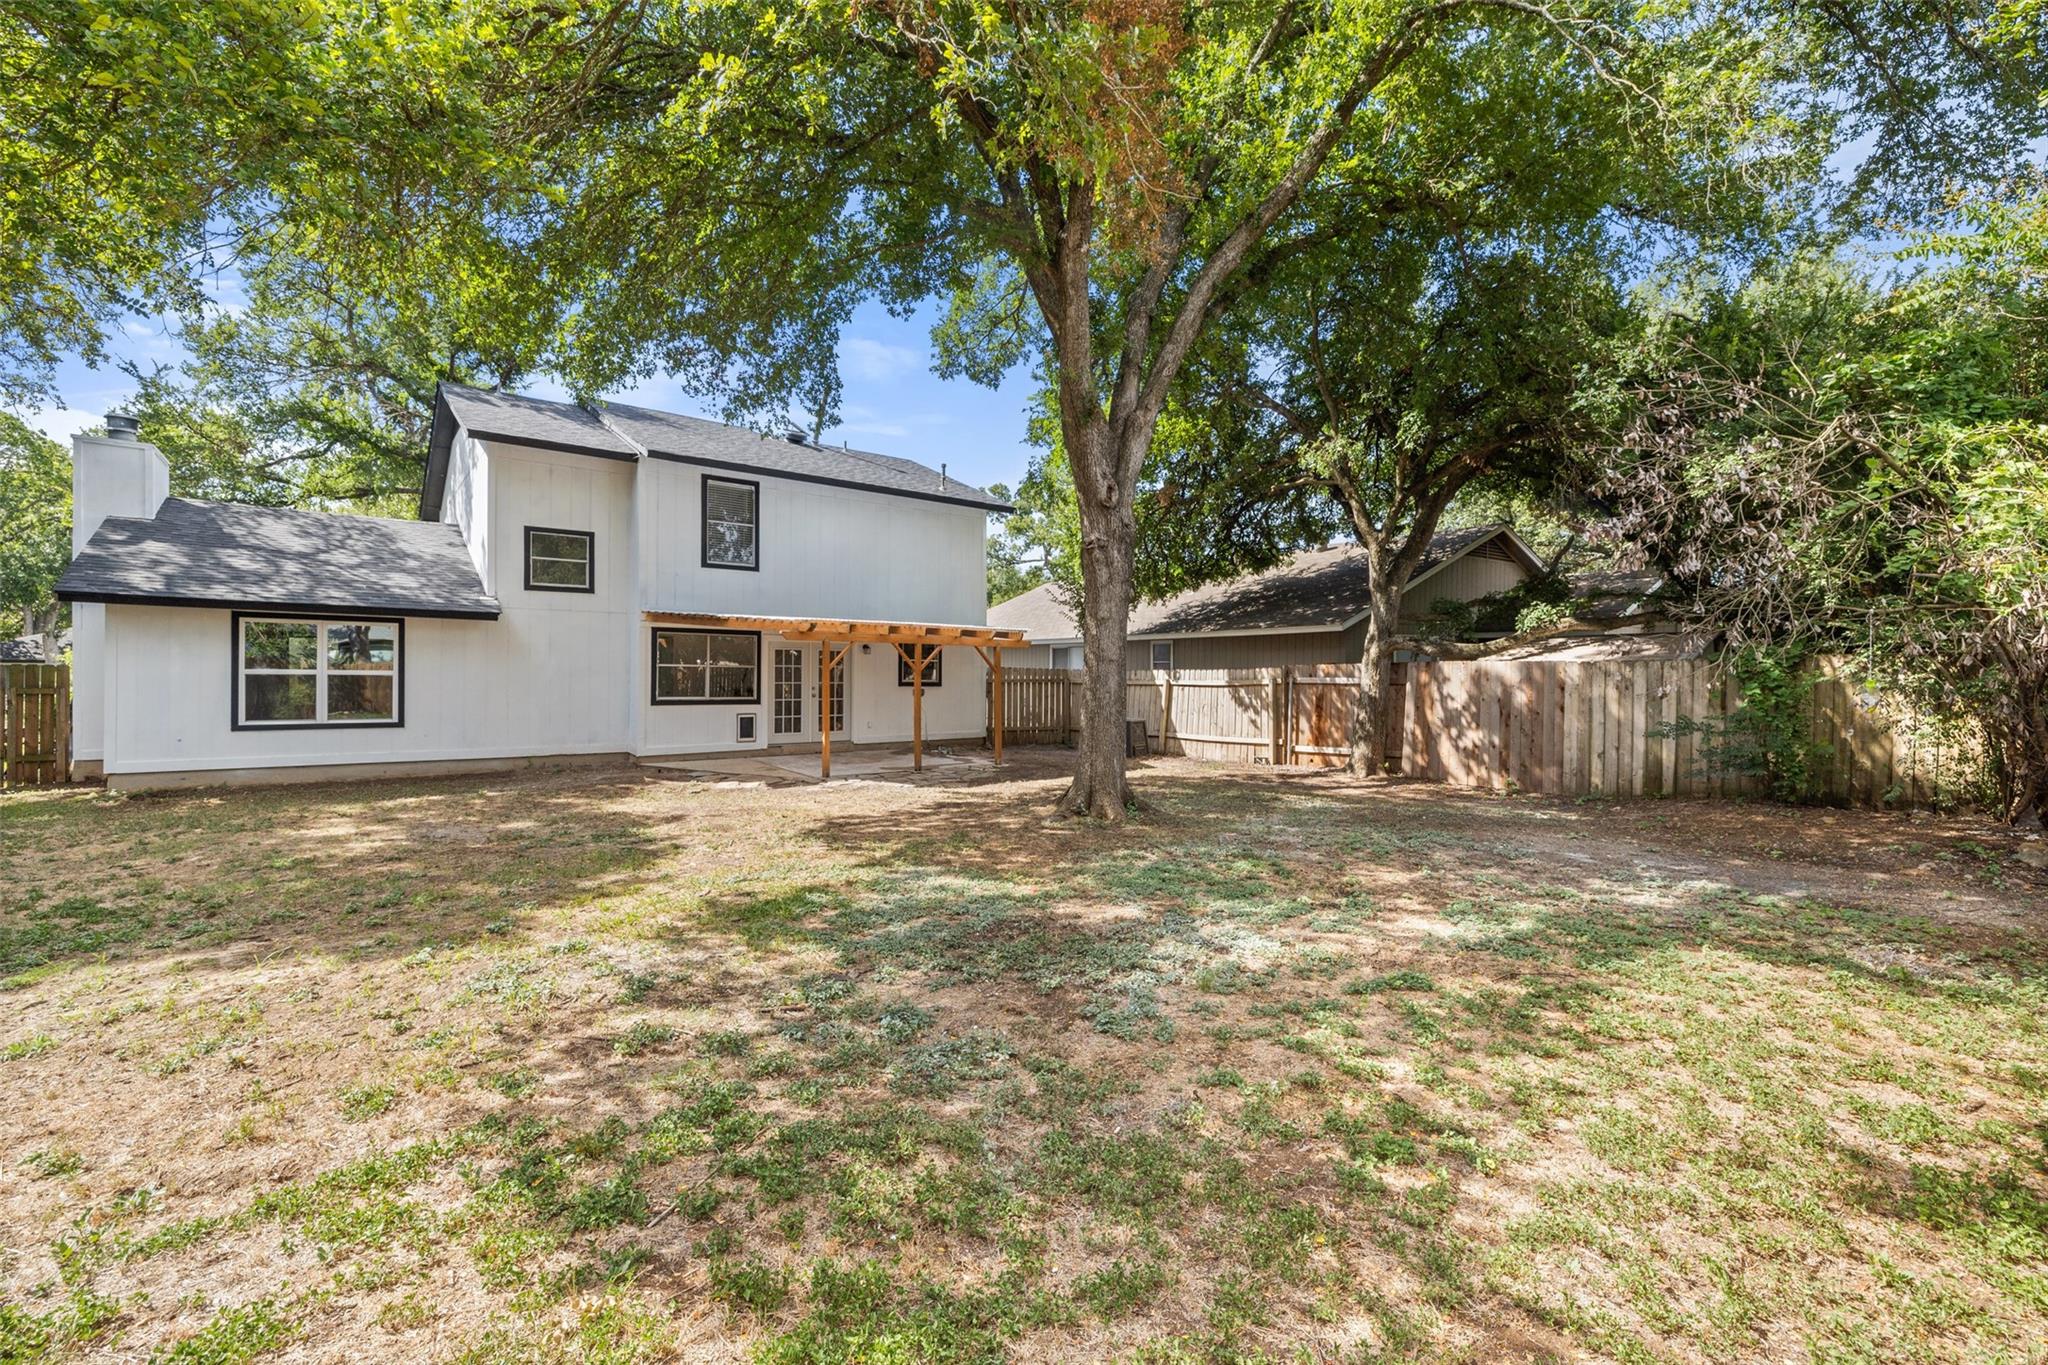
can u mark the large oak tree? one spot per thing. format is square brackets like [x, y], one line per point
[710, 188]
[717, 186]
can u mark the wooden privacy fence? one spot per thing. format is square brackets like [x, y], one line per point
[1231, 715]
[35, 725]
[1564, 728]
[1611, 728]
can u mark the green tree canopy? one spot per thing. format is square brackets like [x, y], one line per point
[1830, 463]
[35, 507]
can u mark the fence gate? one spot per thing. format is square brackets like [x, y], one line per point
[35, 725]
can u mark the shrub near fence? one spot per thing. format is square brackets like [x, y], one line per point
[1563, 728]
[35, 725]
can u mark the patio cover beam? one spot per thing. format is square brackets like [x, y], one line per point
[905, 636]
[859, 632]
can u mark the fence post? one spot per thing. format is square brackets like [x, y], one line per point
[1276, 722]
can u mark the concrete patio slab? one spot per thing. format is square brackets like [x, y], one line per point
[804, 768]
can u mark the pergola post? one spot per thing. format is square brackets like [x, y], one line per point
[917, 658]
[993, 657]
[824, 710]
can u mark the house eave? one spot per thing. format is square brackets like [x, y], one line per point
[477, 613]
[988, 505]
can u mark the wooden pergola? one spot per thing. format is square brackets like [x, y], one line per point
[836, 637]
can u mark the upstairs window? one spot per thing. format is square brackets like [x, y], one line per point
[933, 658]
[732, 523]
[292, 672]
[692, 666]
[560, 561]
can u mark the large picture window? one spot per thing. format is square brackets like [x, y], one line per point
[934, 659]
[292, 672]
[560, 561]
[706, 666]
[732, 523]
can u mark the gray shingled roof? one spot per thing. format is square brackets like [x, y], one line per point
[1324, 589]
[493, 413]
[229, 555]
[696, 440]
[621, 431]
[25, 649]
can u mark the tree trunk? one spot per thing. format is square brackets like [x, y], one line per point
[1376, 666]
[1108, 539]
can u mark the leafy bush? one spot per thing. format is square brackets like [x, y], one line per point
[1770, 735]
[1534, 602]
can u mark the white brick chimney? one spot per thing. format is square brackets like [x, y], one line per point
[115, 475]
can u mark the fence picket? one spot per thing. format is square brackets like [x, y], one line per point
[1566, 728]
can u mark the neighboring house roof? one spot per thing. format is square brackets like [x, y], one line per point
[1615, 597]
[220, 554]
[622, 431]
[25, 650]
[1326, 589]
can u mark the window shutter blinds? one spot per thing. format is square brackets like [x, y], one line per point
[731, 502]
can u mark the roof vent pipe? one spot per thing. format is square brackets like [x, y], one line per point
[794, 437]
[942, 474]
[123, 426]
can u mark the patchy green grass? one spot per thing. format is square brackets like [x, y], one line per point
[590, 1066]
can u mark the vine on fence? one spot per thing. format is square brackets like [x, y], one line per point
[1770, 735]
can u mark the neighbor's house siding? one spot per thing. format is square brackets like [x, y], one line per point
[1482, 571]
[1253, 651]
[1485, 570]
[1033, 656]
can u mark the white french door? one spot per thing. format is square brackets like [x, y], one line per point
[793, 694]
[791, 714]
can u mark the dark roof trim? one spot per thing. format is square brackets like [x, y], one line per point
[988, 505]
[245, 605]
[439, 439]
[561, 447]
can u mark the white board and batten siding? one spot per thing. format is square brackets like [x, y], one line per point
[570, 673]
[541, 680]
[823, 551]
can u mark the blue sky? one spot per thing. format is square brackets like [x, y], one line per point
[893, 402]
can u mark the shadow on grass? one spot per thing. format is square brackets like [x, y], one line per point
[364, 870]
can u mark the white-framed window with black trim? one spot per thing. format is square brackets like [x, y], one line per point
[295, 672]
[934, 664]
[560, 560]
[732, 523]
[706, 667]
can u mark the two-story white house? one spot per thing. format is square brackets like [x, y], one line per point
[609, 581]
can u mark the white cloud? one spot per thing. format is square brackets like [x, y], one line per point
[61, 424]
[873, 429]
[876, 362]
[857, 419]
